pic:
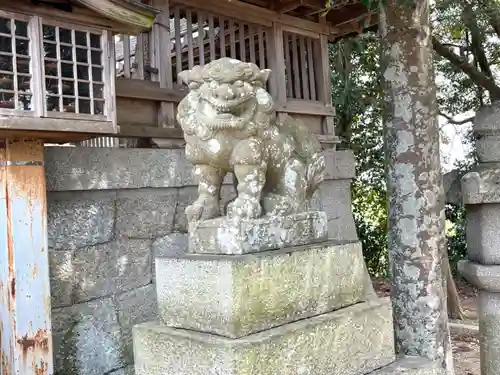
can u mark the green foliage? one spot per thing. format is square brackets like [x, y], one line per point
[357, 99]
[467, 28]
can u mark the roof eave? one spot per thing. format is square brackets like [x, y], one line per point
[133, 15]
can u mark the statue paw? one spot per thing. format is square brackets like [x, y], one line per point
[244, 208]
[202, 210]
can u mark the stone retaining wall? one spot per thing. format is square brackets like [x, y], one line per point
[110, 212]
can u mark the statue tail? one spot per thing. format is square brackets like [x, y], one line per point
[309, 149]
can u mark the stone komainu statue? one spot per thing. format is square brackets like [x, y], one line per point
[230, 125]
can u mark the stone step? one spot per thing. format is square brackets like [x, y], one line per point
[351, 341]
[410, 366]
[234, 296]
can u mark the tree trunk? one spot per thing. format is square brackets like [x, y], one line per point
[455, 310]
[416, 218]
[453, 301]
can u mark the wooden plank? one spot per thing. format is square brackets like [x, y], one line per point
[323, 78]
[277, 85]
[306, 107]
[211, 36]
[25, 312]
[79, 16]
[137, 112]
[53, 124]
[251, 41]
[288, 6]
[147, 90]
[150, 132]
[288, 66]
[139, 56]
[126, 57]
[295, 68]
[303, 68]
[166, 111]
[201, 38]
[310, 65]
[246, 12]
[262, 49]
[38, 67]
[232, 38]
[241, 33]
[299, 31]
[222, 38]
[189, 34]
[178, 43]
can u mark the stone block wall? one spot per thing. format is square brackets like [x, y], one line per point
[110, 212]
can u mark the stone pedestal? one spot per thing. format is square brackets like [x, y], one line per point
[296, 310]
[481, 195]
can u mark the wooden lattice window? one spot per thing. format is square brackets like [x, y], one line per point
[299, 66]
[56, 70]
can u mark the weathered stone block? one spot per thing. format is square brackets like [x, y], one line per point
[73, 224]
[90, 168]
[483, 235]
[146, 214]
[487, 132]
[186, 196]
[110, 268]
[171, 245]
[62, 278]
[351, 341]
[87, 339]
[340, 165]
[234, 296]
[225, 236]
[481, 185]
[411, 366]
[134, 307]
[484, 277]
[334, 198]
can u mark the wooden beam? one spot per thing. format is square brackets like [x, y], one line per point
[239, 10]
[148, 90]
[276, 58]
[54, 125]
[288, 6]
[80, 15]
[306, 107]
[25, 311]
[150, 132]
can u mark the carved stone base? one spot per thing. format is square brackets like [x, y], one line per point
[225, 236]
[351, 341]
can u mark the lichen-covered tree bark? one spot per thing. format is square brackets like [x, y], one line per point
[414, 182]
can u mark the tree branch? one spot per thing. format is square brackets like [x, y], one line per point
[477, 39]
[474, 74]
[456, 122]
[492, 9]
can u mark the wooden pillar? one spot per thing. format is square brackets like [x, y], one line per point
[162, 60]
[323, 78]
[416, 241]
[25, 309]
[276, 57]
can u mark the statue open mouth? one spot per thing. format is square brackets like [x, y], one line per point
[228, 105]
[231, 114]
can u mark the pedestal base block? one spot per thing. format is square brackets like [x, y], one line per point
[411, 366]
[226, 236]
[237, 295]
[351, 341]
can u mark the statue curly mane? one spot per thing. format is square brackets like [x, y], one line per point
[230, 126]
